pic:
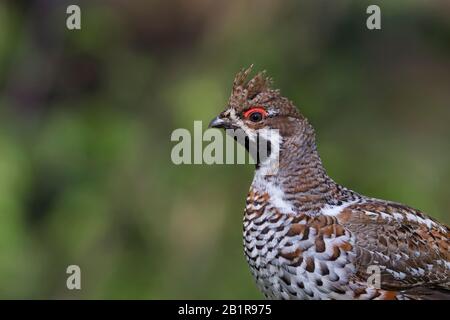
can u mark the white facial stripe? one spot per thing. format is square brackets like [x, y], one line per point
[251, 133]
[270, 165]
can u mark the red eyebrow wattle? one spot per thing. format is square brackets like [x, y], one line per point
[255, 109]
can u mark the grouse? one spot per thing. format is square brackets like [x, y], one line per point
[307, 237]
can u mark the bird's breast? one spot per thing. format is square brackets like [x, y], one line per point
[295, 255]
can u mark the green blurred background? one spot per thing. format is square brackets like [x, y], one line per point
[86, 117]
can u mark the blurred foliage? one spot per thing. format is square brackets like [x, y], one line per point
[86, 117]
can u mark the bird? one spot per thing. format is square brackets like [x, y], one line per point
[307, 237]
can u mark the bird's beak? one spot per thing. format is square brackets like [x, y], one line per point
[217, 123]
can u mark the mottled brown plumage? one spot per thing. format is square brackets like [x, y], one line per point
[307, 237]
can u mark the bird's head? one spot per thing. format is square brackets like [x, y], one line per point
[256, 108]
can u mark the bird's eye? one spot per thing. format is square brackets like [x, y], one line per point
[256, 117]
[255, 114]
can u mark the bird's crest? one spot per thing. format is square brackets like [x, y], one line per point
[243, 91]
